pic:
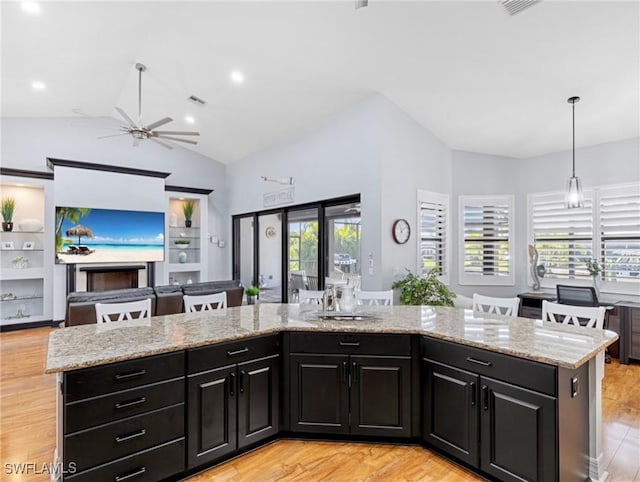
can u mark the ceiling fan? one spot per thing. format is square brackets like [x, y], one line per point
[140, 131]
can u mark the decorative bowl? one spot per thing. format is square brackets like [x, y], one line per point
[30, 225]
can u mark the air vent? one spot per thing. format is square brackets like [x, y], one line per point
[516, 6]
[196, 100]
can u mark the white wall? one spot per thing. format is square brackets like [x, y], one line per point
[27, 142]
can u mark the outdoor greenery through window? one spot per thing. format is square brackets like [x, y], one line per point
[487, 249]
[303, 246]
[433, 213]
[606, 229]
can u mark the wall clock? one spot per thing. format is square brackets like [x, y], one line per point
[401, 231]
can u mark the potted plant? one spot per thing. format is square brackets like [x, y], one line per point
[252, 293]
[187, 209]
[8, 205]
[594, 269]
[423, 290]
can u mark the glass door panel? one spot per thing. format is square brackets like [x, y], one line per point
[303, 251]
[270, 257]
[344, 260]
[245, 259]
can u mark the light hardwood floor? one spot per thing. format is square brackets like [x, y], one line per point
[27, 433]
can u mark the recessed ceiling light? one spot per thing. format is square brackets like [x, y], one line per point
[37, 85]
[237, 77]
[32, 8]
[189, 119]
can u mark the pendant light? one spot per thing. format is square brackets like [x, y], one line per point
[574, 197]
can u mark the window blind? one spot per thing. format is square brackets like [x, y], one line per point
[487, 235]
[620, 233]
[432, 218]
[563, 237]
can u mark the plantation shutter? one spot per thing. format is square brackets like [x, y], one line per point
[487, 232]
[620, 233]
[563, 237]
[432, 218]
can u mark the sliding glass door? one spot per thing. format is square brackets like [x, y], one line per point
[303, 251]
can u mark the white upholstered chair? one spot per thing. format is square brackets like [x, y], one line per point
[589, 316]
[371, 298]
[499, 306]
[132, 310]
[312, 297]
[215, 301]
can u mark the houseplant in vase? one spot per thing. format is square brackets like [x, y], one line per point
[423, 290]
[593, 266]
[8, 206]
[187, 209]
[252, 293]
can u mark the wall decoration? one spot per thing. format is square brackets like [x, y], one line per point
[7, 245]
[401, 231]
[270, 232]
[28, 245]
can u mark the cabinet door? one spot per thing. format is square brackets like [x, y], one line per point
[211, 415]
[319, 393]
[450, 410]
[517, 432]
[380, 395]
[258, 400]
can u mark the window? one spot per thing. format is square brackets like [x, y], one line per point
[433, 226]
[563, 237]
[486, 234]
[606, 229]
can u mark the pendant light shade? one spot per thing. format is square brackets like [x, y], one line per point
[573, 196]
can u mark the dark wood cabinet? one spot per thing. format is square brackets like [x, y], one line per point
[349, 392]
[233, 406]
[629, 315]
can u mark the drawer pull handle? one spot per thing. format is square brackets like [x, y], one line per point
[130, 475]
[129, 436]
[238, 352]
[479, 362]
[349, 343]
[124, 376]
[131, 403]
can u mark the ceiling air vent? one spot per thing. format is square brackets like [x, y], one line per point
[196, 100]
[516, 6]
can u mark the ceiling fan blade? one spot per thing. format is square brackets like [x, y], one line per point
[180, 133]
[176, 139]
[136, 142]
[163, 144]
[112, 135]
[125, 116]
[159, 123]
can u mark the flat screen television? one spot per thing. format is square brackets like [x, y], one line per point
[87, 235]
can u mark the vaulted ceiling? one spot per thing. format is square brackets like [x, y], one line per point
[477, 78]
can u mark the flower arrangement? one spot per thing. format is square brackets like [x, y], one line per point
[593, 267]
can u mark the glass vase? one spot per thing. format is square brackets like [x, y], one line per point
[595, 280]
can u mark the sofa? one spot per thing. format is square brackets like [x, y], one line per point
[165, 300]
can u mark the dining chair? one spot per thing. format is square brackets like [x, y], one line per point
[312, 297]
[132, 310]
[297, 281]
[588, 316]
[576, 295]
[215, 301]
[499, 306]
[374, 298]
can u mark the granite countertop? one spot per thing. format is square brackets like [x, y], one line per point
[97, 344]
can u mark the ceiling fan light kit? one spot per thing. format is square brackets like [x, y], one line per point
[138, 131]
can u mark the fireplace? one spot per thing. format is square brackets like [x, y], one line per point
[108, 277]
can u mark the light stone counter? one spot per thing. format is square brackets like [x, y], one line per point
[551, 343]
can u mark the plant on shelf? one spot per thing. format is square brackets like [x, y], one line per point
[187, 209]
[20, 262]
[423, 290]
[252, 293]
[8, 206]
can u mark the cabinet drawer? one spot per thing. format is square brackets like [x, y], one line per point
[346, 343]
[208, 357]
[90, 382]
[149, 465]
[92, 447]
[126, 403]
[526, 373]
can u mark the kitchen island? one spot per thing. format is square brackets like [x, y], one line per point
[482, 389]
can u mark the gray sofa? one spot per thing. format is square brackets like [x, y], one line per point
[165, 300]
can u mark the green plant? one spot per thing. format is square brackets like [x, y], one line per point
[427, 290]
[182, 241]
[252, 291]
[593, 267]
[187, 209]
[8, 205]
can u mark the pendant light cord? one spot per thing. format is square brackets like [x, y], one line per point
[573, 109]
